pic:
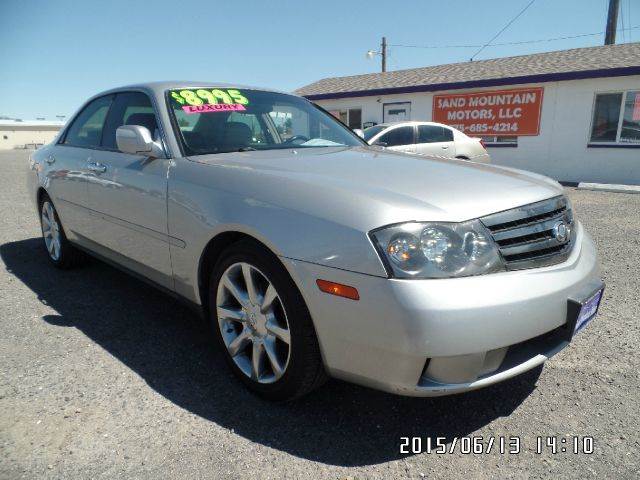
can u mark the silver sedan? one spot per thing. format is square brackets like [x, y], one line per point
[310, 253]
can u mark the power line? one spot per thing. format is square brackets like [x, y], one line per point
[433, 46]
[510, 43]
[503, 29]
[558, 38]
[392, 60]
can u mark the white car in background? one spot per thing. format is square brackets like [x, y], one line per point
[427, 138]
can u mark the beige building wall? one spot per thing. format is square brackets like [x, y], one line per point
[560, 151]
[17, 137]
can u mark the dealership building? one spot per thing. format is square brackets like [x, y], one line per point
[573, 115]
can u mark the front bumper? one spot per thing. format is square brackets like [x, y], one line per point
[436, 337]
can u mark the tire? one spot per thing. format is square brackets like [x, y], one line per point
[61, 253]
[258, 319]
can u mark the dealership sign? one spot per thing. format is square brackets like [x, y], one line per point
[514, 112]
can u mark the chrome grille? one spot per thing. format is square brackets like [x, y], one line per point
[530, 236]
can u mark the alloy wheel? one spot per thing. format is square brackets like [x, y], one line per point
[253, 323]
[51, 231]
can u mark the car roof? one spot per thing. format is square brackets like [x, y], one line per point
[160, 87]
[413, 122]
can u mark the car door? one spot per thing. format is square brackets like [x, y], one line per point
[435, 140]
[66, 162]
[399, 138]
[127, 194]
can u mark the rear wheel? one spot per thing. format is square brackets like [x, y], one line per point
[263, 324]
[60, 251]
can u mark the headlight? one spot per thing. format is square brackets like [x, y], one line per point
[438, 250]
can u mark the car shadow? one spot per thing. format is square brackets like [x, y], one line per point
[168, 346]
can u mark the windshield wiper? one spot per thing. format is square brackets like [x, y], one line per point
[247, 149]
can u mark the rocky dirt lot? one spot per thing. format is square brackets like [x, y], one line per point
[101, 376]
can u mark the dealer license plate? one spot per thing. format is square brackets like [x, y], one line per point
[588, 311]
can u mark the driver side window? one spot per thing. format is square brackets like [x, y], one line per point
[129, 108]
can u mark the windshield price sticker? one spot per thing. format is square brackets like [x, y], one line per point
[491, 112]
[202, 96]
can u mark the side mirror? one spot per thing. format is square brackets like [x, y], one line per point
[137, 140]
[378, 143]
[359, 132]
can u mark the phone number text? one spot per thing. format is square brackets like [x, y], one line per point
[501, 127]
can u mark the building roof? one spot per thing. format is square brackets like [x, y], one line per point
[31, 123]
[591, 62]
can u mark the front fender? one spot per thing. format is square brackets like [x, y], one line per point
[204, 202]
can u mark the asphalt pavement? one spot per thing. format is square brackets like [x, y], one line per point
[102, 376]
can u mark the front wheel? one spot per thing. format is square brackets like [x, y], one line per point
[263, 324]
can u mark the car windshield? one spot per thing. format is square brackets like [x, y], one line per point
[371, 132]
[221, 120]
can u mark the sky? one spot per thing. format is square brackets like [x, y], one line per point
[57, 53]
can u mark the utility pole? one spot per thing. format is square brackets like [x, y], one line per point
[612, 22]
[382, 53]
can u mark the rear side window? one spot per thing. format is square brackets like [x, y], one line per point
[398, 136]
[433, 134]
[86, 129]
[129, 108]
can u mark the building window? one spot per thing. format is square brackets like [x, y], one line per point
[616, 118]
[352, 117]
[500, 141]
[355, 118]
[396, 112]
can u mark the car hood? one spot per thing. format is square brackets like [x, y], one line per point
[373, 187]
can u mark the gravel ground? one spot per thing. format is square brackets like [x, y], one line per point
[102, 376]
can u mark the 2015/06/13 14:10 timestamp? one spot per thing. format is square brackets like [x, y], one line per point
[510, 445]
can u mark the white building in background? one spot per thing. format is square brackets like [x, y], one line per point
[27, 134]
[573, 115]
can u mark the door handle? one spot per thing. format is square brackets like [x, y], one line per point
[96, 167]
[50, 159]
[444, 147]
